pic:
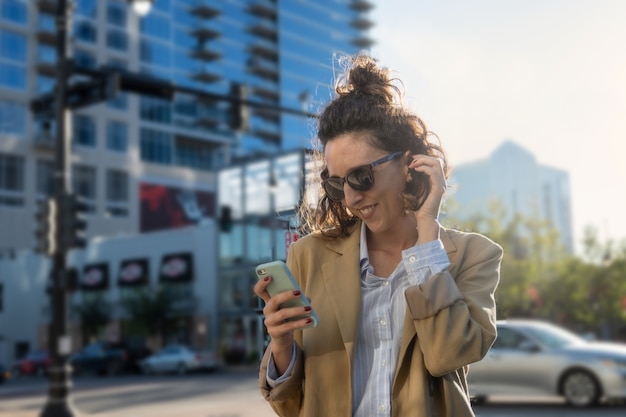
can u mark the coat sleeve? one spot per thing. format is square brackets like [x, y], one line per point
[454, 312]
[286, 397]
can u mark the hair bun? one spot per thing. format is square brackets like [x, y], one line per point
[366, 79]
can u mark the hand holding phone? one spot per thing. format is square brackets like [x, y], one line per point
[283, 280]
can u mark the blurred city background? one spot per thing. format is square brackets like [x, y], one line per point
[144, 176]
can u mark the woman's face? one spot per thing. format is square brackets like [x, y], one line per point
[381, 206]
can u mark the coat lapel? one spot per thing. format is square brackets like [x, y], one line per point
[343, 286]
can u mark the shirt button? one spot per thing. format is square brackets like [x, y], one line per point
[385, 283]
[381, 407]
[412, 259]
[382, 322]
[384, 362]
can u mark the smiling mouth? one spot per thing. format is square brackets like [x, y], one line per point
[366, 210]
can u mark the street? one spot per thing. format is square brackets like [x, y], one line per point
[224, 393]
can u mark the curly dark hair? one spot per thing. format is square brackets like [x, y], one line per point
[369, 102]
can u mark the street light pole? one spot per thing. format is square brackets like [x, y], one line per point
[59, 342]
[58, 404]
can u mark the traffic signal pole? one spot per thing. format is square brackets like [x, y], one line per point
[59, 345]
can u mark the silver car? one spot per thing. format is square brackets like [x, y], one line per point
[531, 357]
[179, 359]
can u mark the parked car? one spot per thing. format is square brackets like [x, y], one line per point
[531, 357]
[100, 358]
[36, 362]
[179, 359]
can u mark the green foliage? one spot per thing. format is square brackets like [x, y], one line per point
[540, 279]
[94, 316]
[150, 310]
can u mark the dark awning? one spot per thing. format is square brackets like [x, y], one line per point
[176, 267]
[95, 277]
[133, 272]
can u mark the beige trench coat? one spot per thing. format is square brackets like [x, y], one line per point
[450, 323]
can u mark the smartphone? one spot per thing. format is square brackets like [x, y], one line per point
[283, 280]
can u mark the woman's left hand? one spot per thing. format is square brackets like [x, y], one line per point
[427, 215]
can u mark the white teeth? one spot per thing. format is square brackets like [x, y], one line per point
[366, 210]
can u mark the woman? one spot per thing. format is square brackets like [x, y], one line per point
[404, 305]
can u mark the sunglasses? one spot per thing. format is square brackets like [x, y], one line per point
[360, 178]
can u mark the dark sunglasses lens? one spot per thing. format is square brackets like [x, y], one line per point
[333, 188]
[361, 179]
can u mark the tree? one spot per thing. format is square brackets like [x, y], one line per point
[94, 316]
[151, 311]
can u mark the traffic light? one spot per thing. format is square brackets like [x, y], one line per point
[239, 113]
[73, 223]
[45, 219]
[226, 219]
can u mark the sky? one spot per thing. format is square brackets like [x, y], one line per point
[549, 75]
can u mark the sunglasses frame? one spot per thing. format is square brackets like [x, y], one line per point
[344, 180]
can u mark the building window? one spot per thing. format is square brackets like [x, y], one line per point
[156, 26]
[14, 11]
[194, 154]
[84, 184]
[46, 54]
[155, 53]
[84, 131]
[87, 8]
[45, 178]
[12, 119]
[84, 59]
[116, 39]
[13, 53]
[117, 136]
[116, 14]
[117, 193]
[155, 110]
[45, 84]
[156, 146]
[85, 31]
[11, 180]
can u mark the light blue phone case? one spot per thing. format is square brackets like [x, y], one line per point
[283, 280]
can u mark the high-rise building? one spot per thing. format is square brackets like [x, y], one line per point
[132, 148]
[144, 163]
[512, 176]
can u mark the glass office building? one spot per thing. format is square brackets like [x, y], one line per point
[145, 163]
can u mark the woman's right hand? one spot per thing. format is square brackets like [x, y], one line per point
[276, 321]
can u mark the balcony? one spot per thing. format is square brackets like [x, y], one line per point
[267, 113]
[264, 69]
[204, 11]
[362, 23]
[263, 9]
[361, 5]
[206, 76]
[265, 49]
[206, 30]
[266, 93]
[268, 135]
[362, 42]
[206, 54]
[46, 68]
[264, 30]
[47, 6]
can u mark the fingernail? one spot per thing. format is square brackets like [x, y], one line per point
[307, 308]
[309, 320]
[266, 279]
[296, 292]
